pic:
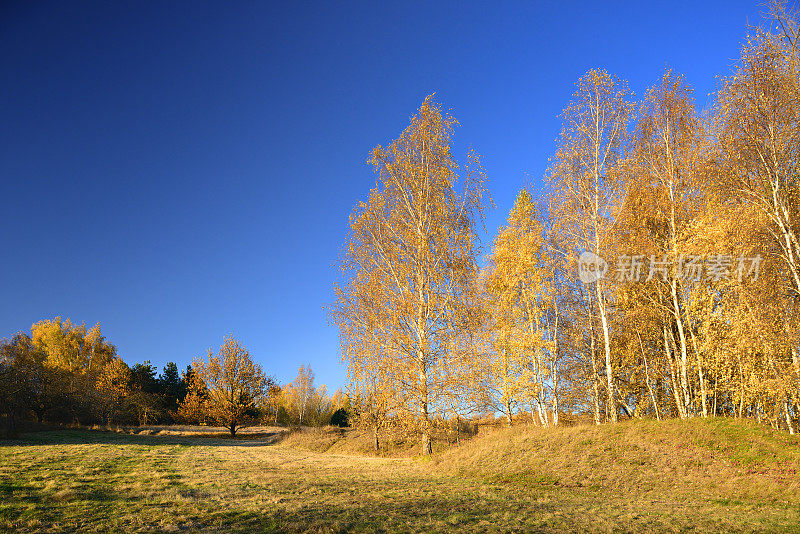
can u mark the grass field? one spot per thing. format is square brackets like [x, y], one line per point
[635, 476]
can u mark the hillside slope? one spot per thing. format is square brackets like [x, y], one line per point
[716, 459]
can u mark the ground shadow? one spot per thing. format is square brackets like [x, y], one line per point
[91, 436]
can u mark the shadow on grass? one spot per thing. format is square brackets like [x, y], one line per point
[410, 514]
[92, 437]
[440, 513]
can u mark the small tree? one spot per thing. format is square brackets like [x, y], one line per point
[272, 403]
[235, 384]
[372, 399]
[171, 387]
[192, 408]
[301, 392]
[113, 388]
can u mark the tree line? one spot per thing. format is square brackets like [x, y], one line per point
[655, 274]
[63, 372]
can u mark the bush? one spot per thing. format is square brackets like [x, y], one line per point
[340, 418]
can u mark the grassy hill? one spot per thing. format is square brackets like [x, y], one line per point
[723, 458]
[714, 458]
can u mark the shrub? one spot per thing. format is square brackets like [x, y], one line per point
[340, 418]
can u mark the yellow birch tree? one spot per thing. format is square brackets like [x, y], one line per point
[585, 193]
[410, 265]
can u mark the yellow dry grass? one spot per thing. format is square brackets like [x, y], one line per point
[639, 476]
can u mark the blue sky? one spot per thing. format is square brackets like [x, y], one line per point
[180, 170]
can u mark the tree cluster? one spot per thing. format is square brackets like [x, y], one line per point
[688, 228]
[65, 373]
[302, 403]
[229, 389]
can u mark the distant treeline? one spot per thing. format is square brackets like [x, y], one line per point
[62, 372]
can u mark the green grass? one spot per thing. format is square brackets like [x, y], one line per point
[716, 476]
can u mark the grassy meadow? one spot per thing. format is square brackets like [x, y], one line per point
[718, 475]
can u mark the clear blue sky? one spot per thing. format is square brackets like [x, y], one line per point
[181, 170]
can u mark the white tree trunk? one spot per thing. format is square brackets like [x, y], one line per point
[612, 403]
[673, 372]
[684, 375]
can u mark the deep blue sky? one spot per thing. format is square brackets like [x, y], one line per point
[181, 170]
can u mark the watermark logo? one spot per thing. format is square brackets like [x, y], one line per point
[591, 267]
[688, 268]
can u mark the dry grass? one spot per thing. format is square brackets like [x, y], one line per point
[673, 476]
[353, 441]
[720, 458]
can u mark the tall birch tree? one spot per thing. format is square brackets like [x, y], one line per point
[585, 192]
[410, 265]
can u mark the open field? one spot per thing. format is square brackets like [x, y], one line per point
[635, 476]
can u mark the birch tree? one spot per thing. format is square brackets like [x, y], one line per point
[584, 190]
[757, 124]
[409, 267]
[300, 392]
[524, 332]
[665, 171]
